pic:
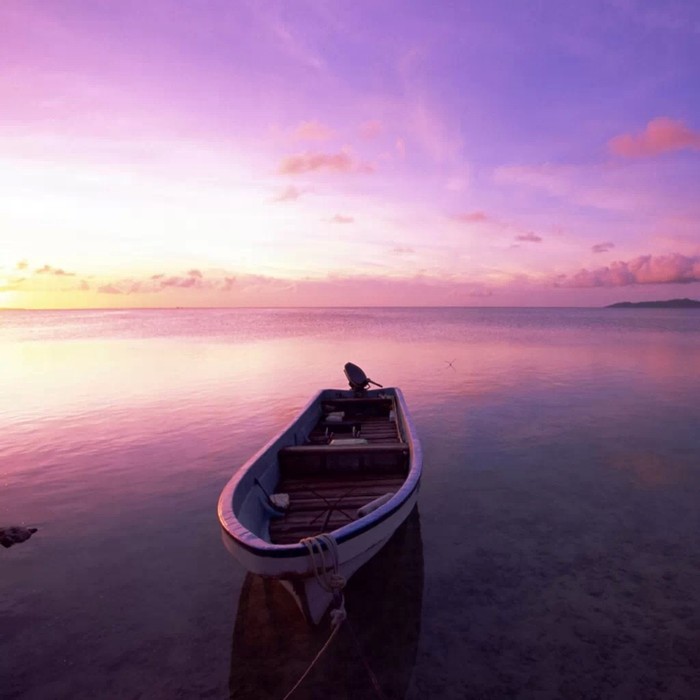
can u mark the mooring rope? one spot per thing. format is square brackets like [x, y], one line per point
[332, 581]
[313, 663]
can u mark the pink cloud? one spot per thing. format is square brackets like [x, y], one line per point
[340, 219]
[263, 290]
[228, 284]
[312, 131]
[529, 237]
[401, 148]
[470, 217]
[195, 280]
[48, 270]
[109, 289]
[185, 282]
[660, 136]
[645, 269]
[402, 250]
[371, 129]
[602, 247]
[340, 162]
[288, 194]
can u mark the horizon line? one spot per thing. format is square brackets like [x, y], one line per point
[250, 308]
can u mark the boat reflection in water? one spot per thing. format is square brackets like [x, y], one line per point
[273, 645]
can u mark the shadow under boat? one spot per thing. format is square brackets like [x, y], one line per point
[273, 645]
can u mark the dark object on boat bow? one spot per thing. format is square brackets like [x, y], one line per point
[357, 379]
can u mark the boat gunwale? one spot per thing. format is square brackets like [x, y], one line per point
[248, 540]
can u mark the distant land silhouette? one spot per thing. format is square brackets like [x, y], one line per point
[670, 304]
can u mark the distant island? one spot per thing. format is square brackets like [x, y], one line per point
[670, 304]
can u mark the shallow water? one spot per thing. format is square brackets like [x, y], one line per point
[557, 551]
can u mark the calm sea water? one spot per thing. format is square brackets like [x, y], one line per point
[554, 554]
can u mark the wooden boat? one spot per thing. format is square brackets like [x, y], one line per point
[327, 493]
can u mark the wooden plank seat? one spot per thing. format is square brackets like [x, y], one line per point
[358, 401]
[319, 459]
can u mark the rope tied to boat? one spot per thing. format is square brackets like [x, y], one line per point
[332, 581]
[327, 573]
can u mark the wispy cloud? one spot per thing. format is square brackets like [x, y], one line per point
[660, 136]
[48, 270]
[195, 279]
[602, 247]
[109, 289]
[228, 284]
[11, 284]
[402, 250]
[442, 142]
[293, 42]
[645, 269]
[470, 217]
[312, 131]
[340, 219]
[529, 237]
[22, 265]
[336, 288]
[288, 194]
[371, 129]
[341, 162]
[588, 185]
[457, 183]
[185, 282]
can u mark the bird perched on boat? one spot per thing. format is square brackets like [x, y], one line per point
[15, 535]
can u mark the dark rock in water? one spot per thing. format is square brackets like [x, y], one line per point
[15, 535]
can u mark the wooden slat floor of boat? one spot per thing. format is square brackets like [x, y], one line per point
[325, 503]
[337, 481]
[349, 400]
[367, 420]
[352, 501]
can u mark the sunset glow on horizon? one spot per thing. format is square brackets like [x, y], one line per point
[319, 153]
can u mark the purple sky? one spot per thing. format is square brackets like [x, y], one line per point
[348, 153]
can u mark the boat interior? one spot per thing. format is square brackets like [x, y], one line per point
[353, 461]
